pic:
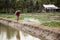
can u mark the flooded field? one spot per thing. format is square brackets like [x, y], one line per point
[8, 33]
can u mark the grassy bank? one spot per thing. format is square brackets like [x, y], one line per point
[42, 17]
[52, 24]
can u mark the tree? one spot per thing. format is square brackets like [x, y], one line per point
[31, 6]
[37, 5]
[25, 5]
[58, 3]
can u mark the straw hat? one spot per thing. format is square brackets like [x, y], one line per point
[18, 10]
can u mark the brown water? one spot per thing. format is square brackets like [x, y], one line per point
[8, 33]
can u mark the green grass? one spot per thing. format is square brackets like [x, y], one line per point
[7, 16]
[42, 17]
[52, 24]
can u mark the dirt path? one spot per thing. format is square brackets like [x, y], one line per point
[36, 24]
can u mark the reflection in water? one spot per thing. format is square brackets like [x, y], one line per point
[25, 36]
[7, 33]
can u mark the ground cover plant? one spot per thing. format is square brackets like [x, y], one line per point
[45, 18]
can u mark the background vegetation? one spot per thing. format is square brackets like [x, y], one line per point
[42, 17]
[25, 5]
[47, 19]
[9, 7]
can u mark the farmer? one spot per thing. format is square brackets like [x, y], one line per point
[17, 13]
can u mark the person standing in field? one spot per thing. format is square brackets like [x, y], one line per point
[17, 13]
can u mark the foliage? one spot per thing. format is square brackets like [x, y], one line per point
[48, 19]
[42, 16]
[58, 3]
[52, 24]
[25, 5]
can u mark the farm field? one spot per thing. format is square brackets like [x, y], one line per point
[47, 19]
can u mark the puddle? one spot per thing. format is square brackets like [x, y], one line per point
[7, 33]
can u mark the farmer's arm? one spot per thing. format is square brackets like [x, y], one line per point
[15, 12]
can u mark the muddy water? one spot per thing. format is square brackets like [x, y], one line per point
[7, 33]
